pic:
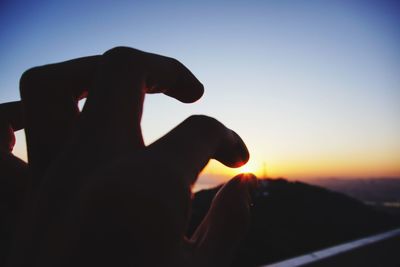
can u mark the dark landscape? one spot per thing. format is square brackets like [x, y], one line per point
[294, 218]
[382, 193]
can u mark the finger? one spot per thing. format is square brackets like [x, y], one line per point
[188, 148]
[49, 95]
[114, 107]
[7, 138]
[72, 77]
[11, 113]
[169, 76]
[12, 169]
[10, 120]
[225, 225]
[110, 119]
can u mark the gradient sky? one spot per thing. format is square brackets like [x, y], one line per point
[313, 87]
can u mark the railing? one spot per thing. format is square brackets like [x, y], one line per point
[383, 248]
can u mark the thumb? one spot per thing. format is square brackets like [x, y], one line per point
[226, 223]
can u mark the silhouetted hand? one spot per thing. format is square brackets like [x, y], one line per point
[101, 197]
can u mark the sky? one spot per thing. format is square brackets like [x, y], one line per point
[313, 87]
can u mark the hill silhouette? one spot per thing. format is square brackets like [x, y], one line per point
[294, 218]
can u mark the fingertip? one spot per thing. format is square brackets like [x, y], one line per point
[238, 193]
[251, 181]
[243, 180]
[248, 179]
[188, 87]
[187, 90]
[239, 154]
[169, 76]
[242, 151]
[247, 183]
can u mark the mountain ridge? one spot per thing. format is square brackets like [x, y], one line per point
[291, 218]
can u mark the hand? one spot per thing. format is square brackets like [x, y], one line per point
[100, 196]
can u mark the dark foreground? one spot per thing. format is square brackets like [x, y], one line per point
[294, 218]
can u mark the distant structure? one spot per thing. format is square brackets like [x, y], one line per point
[264, 170]
[264, 183]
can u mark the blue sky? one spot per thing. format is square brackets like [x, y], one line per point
[313, 87]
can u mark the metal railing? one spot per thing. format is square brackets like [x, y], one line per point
[342, 251]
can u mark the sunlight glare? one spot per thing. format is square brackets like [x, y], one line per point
[249, 167]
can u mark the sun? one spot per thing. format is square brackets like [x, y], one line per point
[249, 167]
[245, 169]
[216, 168]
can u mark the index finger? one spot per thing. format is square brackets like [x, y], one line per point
[171, 77]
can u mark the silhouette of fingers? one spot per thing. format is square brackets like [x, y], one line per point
[116, 82]
[50, 94]
[113, 110]
[225, 225]
[189, 147]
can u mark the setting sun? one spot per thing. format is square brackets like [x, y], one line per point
[250, 167]
[216, 169]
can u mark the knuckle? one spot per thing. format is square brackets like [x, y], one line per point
[204, 122]
[199, 118]
[118, 50]
[123, 53]
[175, 62]
[30, 78]
[28, 75]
